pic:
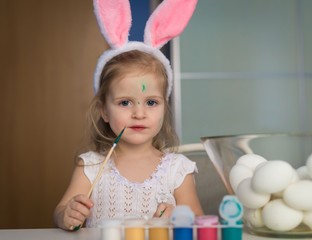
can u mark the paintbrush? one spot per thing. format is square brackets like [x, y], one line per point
[162, 212]
[102, 168]
[105, 161]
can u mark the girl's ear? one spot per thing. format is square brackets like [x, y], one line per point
[104, 113]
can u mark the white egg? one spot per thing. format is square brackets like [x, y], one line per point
[248, 197]
[272, 176]
[309, 165]
[278, 216]
[299, 195]
[250, 160]
[294, 179]
[303, 172]
[307, 219]
[237, 174]
[253, 217]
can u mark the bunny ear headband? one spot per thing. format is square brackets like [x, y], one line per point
[166, 22]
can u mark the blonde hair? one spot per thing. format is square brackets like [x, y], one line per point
[101, 135]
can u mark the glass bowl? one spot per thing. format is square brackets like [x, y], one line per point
[224, 151]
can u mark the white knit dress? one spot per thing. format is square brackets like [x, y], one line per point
[116, 197]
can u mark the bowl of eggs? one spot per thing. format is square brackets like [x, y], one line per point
[271, 175]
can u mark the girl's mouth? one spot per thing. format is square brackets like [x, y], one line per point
[137, 127]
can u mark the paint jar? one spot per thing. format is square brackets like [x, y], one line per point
[207, 227]
[158, 229]
[232, 232]
[231, 213]
[111, 229]
[182, 233]
[134, 229]
[182, 219]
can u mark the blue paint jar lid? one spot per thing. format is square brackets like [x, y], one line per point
[182, 216]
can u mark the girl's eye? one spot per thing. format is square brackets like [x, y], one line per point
[151, 102]
[124, 103]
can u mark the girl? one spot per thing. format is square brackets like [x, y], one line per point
[143, 178]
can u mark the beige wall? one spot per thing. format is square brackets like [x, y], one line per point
[48, 51]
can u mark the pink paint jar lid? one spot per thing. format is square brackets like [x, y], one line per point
[207, 220]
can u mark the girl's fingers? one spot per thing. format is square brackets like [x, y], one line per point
[83, 199]
[75, 214]
[168, 211]
[164, 210]
[73, 223]
[71, 219]
[77, 210]
[160, 208]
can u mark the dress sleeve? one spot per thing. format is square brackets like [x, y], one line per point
[181, 166]
[91, 161]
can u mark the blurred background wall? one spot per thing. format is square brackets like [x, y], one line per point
[48, 53]
[244, 67]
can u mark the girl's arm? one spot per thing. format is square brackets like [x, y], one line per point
[186, 195]
[74, 206]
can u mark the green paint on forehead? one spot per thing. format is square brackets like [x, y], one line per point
[143, 87]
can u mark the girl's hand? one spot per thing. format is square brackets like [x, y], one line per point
[164, 210]
[76, 211]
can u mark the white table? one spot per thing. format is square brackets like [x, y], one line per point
[82, 234]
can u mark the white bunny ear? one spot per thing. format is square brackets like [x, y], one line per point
[114, 19]
[168, 21]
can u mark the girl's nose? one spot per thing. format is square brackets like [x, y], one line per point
[138, 111]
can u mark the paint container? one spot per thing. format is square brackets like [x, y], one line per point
[231, 213]
[134, 229]
[182, 233]
[232, 232]
[182, 219]
[207, 227]
[111, 229]
[158, 229]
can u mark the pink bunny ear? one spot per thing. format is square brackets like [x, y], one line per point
[114, 19]
[168, 21]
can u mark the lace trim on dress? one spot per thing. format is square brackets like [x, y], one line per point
[158, 173]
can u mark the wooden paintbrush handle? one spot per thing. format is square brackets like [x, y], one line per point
[101, 170]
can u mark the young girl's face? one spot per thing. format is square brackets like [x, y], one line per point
[136, 102]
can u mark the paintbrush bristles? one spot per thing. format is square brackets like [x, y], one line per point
[119, 136]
